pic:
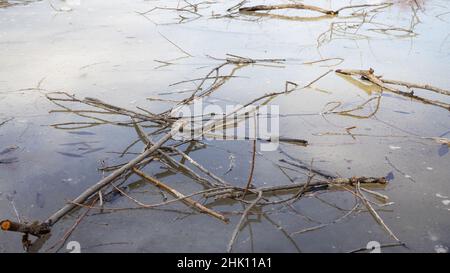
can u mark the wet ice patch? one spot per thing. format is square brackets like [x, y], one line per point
[446, 202]
[443, 150]
[81, 133]
[40, 201]
[392, 147]
[390, 176]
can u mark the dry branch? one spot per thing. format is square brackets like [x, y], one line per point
[378, 80]
[241, 221]
[200, 167]
[415, 85]
[311, 186]
[109, 179]
[37, 229]
[170, 160]
[373, 212]
[288, 6]
[306, 7]
[179, 195]
[167, 126]
[252, 169]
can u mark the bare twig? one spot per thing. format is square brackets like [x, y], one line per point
[374, 213]
[241, 221]
[5, 121]
[369, 75]
[177, 194]
[72, 228]
[109, 179]
[175, 45]
[252, 169]
[305, 7]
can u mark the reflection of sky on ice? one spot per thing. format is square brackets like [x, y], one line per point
[108, 51]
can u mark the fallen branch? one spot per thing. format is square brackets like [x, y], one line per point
[415, 85]
[312, 186]
[305, 7]
[200, 167]
[184, 199]
[36, 229]
[109, 179]
[288, 6]
[69, 232]
[252, 169]
[170, 160]
[241, 221]
[378, 80]
[167, 126]
[327, 224]
[373, 212]
[361, 106]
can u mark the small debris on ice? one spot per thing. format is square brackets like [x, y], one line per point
[441, 196]
[440, 249]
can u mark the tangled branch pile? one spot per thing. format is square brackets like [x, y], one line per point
[166, 151]
[157, 131]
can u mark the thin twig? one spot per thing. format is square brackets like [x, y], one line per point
[177, 194]
[241, 221]
[252, 169]
[374, 213]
